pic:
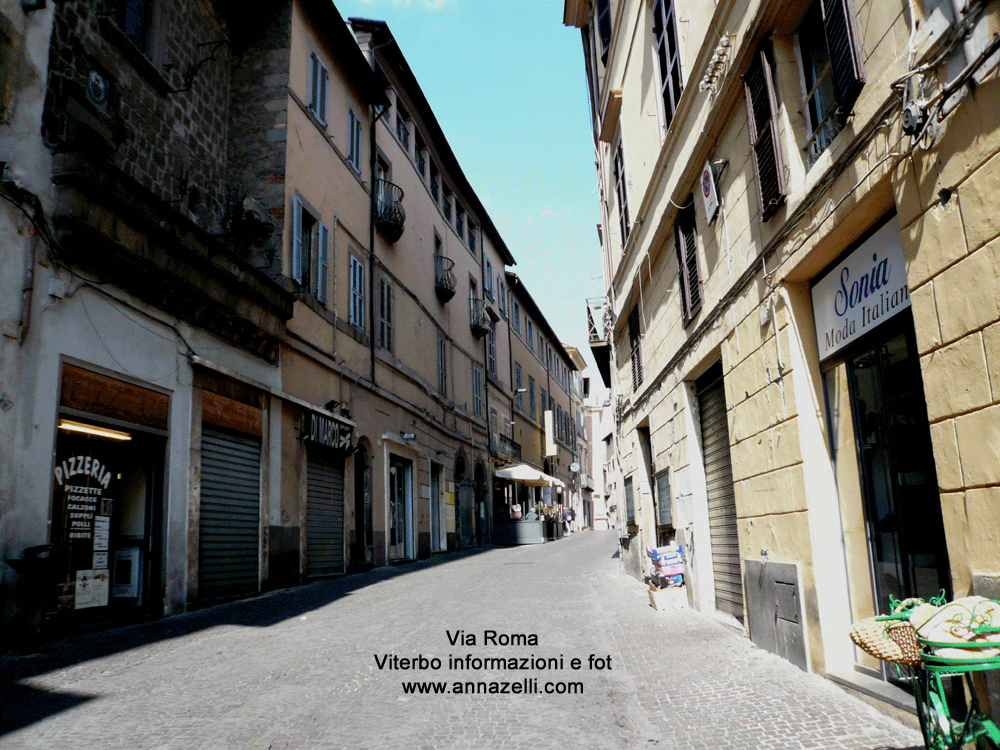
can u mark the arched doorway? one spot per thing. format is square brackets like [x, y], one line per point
[363, 549]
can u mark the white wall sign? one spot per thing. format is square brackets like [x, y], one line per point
[864, 290]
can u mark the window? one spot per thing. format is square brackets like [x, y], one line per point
[434, 183]
[529, 338]
[560, 425]
[532, 411]
[519, 397]
[310, 249]
[419, 155]
[762, 109]
[442, 365]
[604, 27]
[318, 82]
[133, 17]
[460, 222]
[491, 351]
[494, 422]
[446, 204]
[477, 391]
[629, 503]
[832, 81]
[385, 314]
[541, 348]
[663, 514]
[402, 130]
[620, 191]
[488, 280]
[516, 316]
[667, 56]
[354, 135]
[472, 238]
[357, 292]
[687, 261]
[635, 347]
[474, 301]
[501, 297]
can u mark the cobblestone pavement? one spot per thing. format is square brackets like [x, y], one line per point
[297, 669]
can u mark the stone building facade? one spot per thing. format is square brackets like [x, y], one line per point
[797, 245]
[256, 319]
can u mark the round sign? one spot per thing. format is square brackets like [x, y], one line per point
[706, 183]
[574, 466]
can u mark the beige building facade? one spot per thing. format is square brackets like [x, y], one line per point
[802, 292]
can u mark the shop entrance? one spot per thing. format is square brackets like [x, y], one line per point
[896, 462]
[107, 522]
[400, 508]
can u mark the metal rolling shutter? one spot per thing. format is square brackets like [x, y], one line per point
[229, 538]
[721, 497]
[324, 516]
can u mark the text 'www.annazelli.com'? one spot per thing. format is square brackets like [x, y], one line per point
[527, 686]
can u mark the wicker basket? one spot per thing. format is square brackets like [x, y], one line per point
[888, 640]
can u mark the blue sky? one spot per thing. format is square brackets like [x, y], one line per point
[507, 84]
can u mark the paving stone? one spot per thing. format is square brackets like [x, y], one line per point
[296, 669]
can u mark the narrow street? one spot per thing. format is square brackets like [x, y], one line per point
[300, 669]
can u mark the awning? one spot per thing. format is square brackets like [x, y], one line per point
[528, 475]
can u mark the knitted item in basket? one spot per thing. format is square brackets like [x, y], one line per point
[895, 642]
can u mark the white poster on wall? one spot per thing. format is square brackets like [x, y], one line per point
[865, 289]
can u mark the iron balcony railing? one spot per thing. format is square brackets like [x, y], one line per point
[479, 318]
[389, 213]
[444, 278]
[502, 446]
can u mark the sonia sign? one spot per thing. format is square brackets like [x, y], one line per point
[865, 289]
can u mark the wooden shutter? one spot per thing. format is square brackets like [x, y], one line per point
[635, 347]
[323, 259]
[604, 27]
[313, 81]
[843, 43]
[687, 261]
[324, 78]
[761, 109]
[297, 239]
[620, 192]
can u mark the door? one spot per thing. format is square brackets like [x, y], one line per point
[324, 515]
[229, 527]
[721, 496]
[435, 508]
[902, 507]
[400, 508]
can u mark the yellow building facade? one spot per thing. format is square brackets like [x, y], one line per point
[802, 293]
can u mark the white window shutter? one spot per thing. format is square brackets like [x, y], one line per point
[297, 239]
[322, 277]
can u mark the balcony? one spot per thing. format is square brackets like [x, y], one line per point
[444, 278]
[503, 447]
[480, 319]
[600, 324]
[389, 213]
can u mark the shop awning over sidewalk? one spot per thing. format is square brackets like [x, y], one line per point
[528, 475]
